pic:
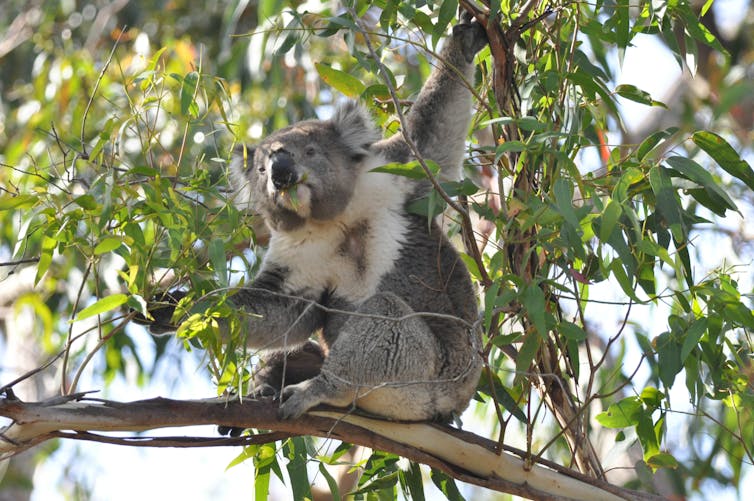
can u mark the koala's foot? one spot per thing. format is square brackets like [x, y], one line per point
[282, 370]
[299, 398]
[161, 309]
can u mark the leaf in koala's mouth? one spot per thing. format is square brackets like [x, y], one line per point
[290, 195]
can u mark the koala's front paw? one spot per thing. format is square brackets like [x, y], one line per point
[264, 390]
[297, 399]
[161, 309]
[471, 35]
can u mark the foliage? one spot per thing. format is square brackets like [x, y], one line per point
[114, 181]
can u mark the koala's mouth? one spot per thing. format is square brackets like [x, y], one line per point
[296, 197]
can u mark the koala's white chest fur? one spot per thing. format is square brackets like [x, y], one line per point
[352, 252]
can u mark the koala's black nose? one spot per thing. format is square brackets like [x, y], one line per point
[283, 170]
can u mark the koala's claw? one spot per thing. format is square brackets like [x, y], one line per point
[472, 35]
[295, 403]
[265, 390]
[161, 308]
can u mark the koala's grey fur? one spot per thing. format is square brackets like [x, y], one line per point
[342, 237]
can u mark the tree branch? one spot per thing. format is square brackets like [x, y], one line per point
[463, 455]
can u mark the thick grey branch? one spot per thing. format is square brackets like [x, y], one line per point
[463, 455]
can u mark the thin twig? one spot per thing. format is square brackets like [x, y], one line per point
[20, 261]
[101, 76]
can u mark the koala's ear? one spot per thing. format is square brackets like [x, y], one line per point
[355, 127]
[241, 163]
[242, 159]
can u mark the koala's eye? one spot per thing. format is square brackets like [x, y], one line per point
[310, 151]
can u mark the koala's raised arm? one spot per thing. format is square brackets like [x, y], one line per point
[439, 120]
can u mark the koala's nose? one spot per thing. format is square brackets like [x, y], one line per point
[283, 170]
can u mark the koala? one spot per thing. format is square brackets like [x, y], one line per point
[392, 300]
[388, 295]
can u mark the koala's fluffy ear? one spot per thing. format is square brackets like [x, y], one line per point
[240, 165]
[355, 127]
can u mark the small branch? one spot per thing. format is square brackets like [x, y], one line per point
[175, 442]
[84, 153]
[21, 261]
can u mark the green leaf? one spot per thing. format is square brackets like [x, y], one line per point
[705, 8]
[447, 11]
[531, 124]
[86, 202]
[446, 484]
[528, 351]
[533, 299]
[645, 431]
[668, 357]
[692, 337]
[652, 397]
[246, 453]
[619, 272]
[629, 177]
[515, 146]
[341, 81]
[379, 483]
[388, 16]
[290, 40]
[610, 217]
[143, 170]
[107, 244]
[668, 204]
[590, 86]
[189, 106]
[653, 140]
[697, 30]
[265, 461]
[295, 450]
[268, 9]
[428, 206]
[509, 403]
[411, 170]
[572, 331]
[695, 172]
[45, 257]
[18, 202]
[219, 260]
[725, 156]
[563, 191]
[622, 27]
[621, 414]
[633, 93]
[412, 480]
[331, 482]
[102, 306]
[662, 460]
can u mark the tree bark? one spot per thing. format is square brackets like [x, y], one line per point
[463, 455]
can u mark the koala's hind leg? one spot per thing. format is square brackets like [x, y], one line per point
[283, 368]
[279, 369]
[384, 360]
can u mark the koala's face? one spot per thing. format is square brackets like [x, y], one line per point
[305, 171]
